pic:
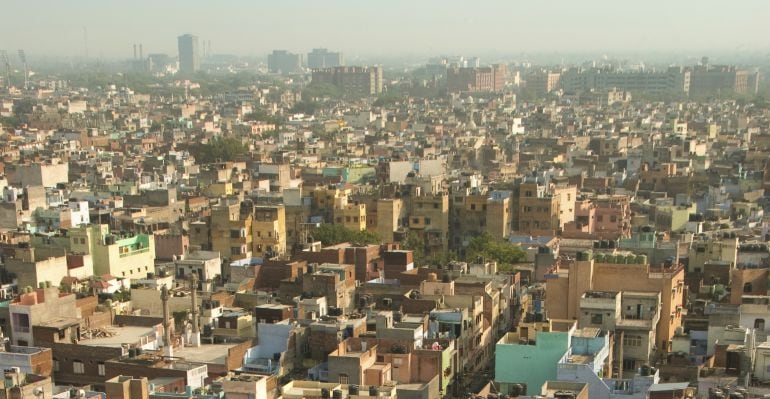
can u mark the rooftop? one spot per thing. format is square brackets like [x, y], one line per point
[215, 353]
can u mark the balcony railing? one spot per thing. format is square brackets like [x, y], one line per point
[134, 252]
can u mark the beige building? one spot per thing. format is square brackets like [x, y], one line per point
[622, 272]
[389, 214]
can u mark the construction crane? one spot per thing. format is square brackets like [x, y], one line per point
[7, 65]
[23, 58]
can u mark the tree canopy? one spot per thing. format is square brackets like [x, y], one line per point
[219, 149]
[503, 252]
[330, 234]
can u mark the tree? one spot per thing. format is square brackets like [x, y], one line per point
[415, 243]
[305, 107]
[331, 234]
[321, 90]
[486, 247]
[219, 149]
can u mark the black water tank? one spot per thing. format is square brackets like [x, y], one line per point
[336, 394]
[324, 393]
[353, 390]
[374, 391]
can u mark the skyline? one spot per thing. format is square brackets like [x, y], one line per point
[357, 28]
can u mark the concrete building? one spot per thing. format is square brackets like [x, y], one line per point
[354, 81]
[476, 79]
[125, 387]
[269, 231]
[564, 288]
[322, 58]
[122, 256]
[34, 307]
[19, 385]
[46, 174]
[538, 345]
[284, 62]
[674, 80]
[189, 54]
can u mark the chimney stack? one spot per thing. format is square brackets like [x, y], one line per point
[134, 51]
[141, 52]
[167, 349]
[195, 340]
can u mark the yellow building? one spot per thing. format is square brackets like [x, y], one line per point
[230, 231]
[218, 189]
[269, 231]
[130, 255]
[538, 211]
[351, 216]
[429, 218]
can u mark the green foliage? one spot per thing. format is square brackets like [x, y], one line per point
[10, 121]
[415, 243]
[321, 90]
[259, 114]
[219, 149]
[503, 252]
[305, 107]
[330, 234]
[388, 98]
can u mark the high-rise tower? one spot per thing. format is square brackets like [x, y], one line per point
[189, 57]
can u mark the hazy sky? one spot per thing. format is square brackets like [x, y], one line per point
[387, 27]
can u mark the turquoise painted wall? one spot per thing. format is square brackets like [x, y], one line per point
[532, 365]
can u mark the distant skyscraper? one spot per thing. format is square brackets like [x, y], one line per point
[284, 62]
[189, 57]
[323, 58]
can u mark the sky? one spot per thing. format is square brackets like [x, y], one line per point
[385, 27]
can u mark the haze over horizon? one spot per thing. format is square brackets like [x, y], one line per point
[403, 27]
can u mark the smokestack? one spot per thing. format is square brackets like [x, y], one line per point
[195, 340]
[167, 349]
[141, 52]
[134, 51]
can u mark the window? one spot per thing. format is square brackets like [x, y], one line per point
[596, 318]
[55, 365]
[632, 340]
[101, 370]
[415, 220]
[759, 324]
[235, 251]
[427, 221]
[473, 207]
[435, 206]
[78, 367]
[344, 378]
[20, 322]
[600, 218]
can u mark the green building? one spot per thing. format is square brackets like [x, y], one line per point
[530, 357]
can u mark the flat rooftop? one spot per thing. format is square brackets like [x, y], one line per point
[121, 335]
[214, 354]
[61, 322]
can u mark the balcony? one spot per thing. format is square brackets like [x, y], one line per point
[135, 252]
